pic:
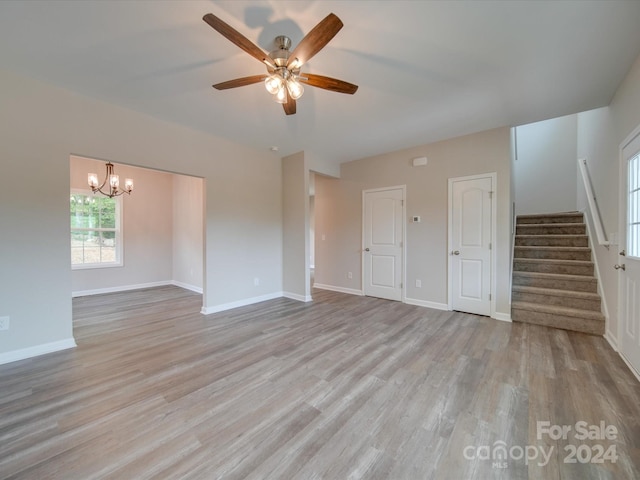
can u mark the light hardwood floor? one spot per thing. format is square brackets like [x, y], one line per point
[343, 387]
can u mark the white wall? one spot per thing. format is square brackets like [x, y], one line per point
[42, 126]
[545, 166]
[338, 209]
[600, 133]
[188, 232]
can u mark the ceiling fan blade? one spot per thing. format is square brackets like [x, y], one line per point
[328, 83]
[237, 38]
[239, 82]
[290, 105]
[315, 40]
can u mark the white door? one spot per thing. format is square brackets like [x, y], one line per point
[629, 277]
[383, 232]
[470, 244]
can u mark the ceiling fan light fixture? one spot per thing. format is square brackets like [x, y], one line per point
[295, 88]
[284, 79]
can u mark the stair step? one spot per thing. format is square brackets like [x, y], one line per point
[553, 253]
[561, 298]
[553, 240]
[540, 265]
[578, 283]
[567, 217]
[551, 229]
[574, 319]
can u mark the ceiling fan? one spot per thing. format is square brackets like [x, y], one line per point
[284, 78]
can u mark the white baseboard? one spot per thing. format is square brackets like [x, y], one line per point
[633, 370]
[186, 286]
[350, 291]
[425, 303]
[37, 350]
[295, 296]
[503, 317]
[122, 288]
[240, 303]
[125, 288]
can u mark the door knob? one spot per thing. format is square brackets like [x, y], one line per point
[623, 253]
[620, 267]
[455, 252]
[366, 249]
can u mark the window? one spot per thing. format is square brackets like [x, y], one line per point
[633, 208]
[96, 237]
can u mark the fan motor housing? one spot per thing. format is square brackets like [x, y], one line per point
[280, 55]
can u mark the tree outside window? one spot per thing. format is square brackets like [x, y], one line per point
[95, 230]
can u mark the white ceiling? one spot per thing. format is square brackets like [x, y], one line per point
[427, 70]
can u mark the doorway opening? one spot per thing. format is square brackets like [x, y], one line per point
[162, 231]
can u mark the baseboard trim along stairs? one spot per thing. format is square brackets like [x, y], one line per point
[553, 274]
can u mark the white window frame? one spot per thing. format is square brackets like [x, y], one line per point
[118, 235]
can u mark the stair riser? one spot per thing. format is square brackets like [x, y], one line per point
[586, 286]
[553, 241]
[535, 220]
[584, 304]
[576, 324]
[550, 230]
[553, 254]
[547, 268]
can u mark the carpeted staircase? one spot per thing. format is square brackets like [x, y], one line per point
[553, 275]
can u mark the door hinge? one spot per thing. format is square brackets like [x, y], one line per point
[489, 296]
[490, 246]
[402, 203]
[491, 194]
[400, 285]
[401, 244]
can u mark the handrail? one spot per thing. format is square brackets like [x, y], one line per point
[593, 203]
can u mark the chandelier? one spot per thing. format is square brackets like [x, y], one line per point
[111, 181]
[285, 76]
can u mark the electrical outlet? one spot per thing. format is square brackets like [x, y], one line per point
[350, 275]
[418, 283]
[256, 282]
[4, 323]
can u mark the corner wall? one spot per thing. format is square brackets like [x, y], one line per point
[188, 233]
[295, 208]
[338, 209]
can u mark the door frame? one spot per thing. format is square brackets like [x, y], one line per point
[494, 234]
[622, 242]
[403, 260]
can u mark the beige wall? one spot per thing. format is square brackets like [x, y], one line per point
[42, 126]
[600, 133]
[338, 210]
[545, 166]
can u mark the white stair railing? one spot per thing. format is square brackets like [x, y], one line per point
[593, 203]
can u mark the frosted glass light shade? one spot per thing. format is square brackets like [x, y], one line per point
[295, 89]
[273, 83]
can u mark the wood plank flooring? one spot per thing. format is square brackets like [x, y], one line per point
[344, 387]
